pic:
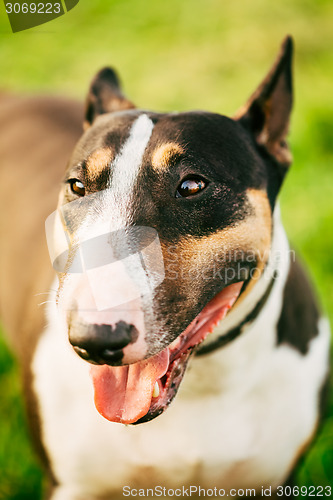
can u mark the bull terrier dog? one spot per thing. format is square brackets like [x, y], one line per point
[166, 270]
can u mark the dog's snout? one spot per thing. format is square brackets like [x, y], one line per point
[102, 344]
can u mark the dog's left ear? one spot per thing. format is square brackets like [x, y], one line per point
[267, 112]
[105, 96]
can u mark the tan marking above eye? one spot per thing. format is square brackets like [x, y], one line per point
[97, 161]
[165, 154]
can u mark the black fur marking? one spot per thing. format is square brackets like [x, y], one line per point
[298, 323]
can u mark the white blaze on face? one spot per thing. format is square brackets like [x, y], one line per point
[112, 291]
[127, 164]
[114, 204]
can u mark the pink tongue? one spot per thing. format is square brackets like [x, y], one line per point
[124, 393]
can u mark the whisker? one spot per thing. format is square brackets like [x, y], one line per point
[45, 293]
[47, 302]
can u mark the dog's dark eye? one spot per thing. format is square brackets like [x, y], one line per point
[77, 187]
[190, 187]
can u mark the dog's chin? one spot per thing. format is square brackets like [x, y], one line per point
[168, 387]
[139, 392]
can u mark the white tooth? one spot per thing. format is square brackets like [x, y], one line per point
[156, 391]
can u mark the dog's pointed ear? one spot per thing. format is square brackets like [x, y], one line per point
[267, 112]
[105, 96]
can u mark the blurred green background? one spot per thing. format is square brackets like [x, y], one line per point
[180, 55]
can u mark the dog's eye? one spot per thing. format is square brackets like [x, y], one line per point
[190, 187]
[77, 187]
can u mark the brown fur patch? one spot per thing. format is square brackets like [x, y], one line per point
[34, 132]
[262, 227]
[166, 154]
[97, 161]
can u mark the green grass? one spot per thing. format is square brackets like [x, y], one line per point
[179, 55]
[20, 474]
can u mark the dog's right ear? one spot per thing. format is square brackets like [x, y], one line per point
[105, 96]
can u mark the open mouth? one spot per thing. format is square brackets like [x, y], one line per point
[141, 391]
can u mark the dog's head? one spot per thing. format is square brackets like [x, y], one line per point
[167, 220]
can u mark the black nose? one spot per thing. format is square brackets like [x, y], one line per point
[101, 344]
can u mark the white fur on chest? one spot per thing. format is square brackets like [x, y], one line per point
[240, 418]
